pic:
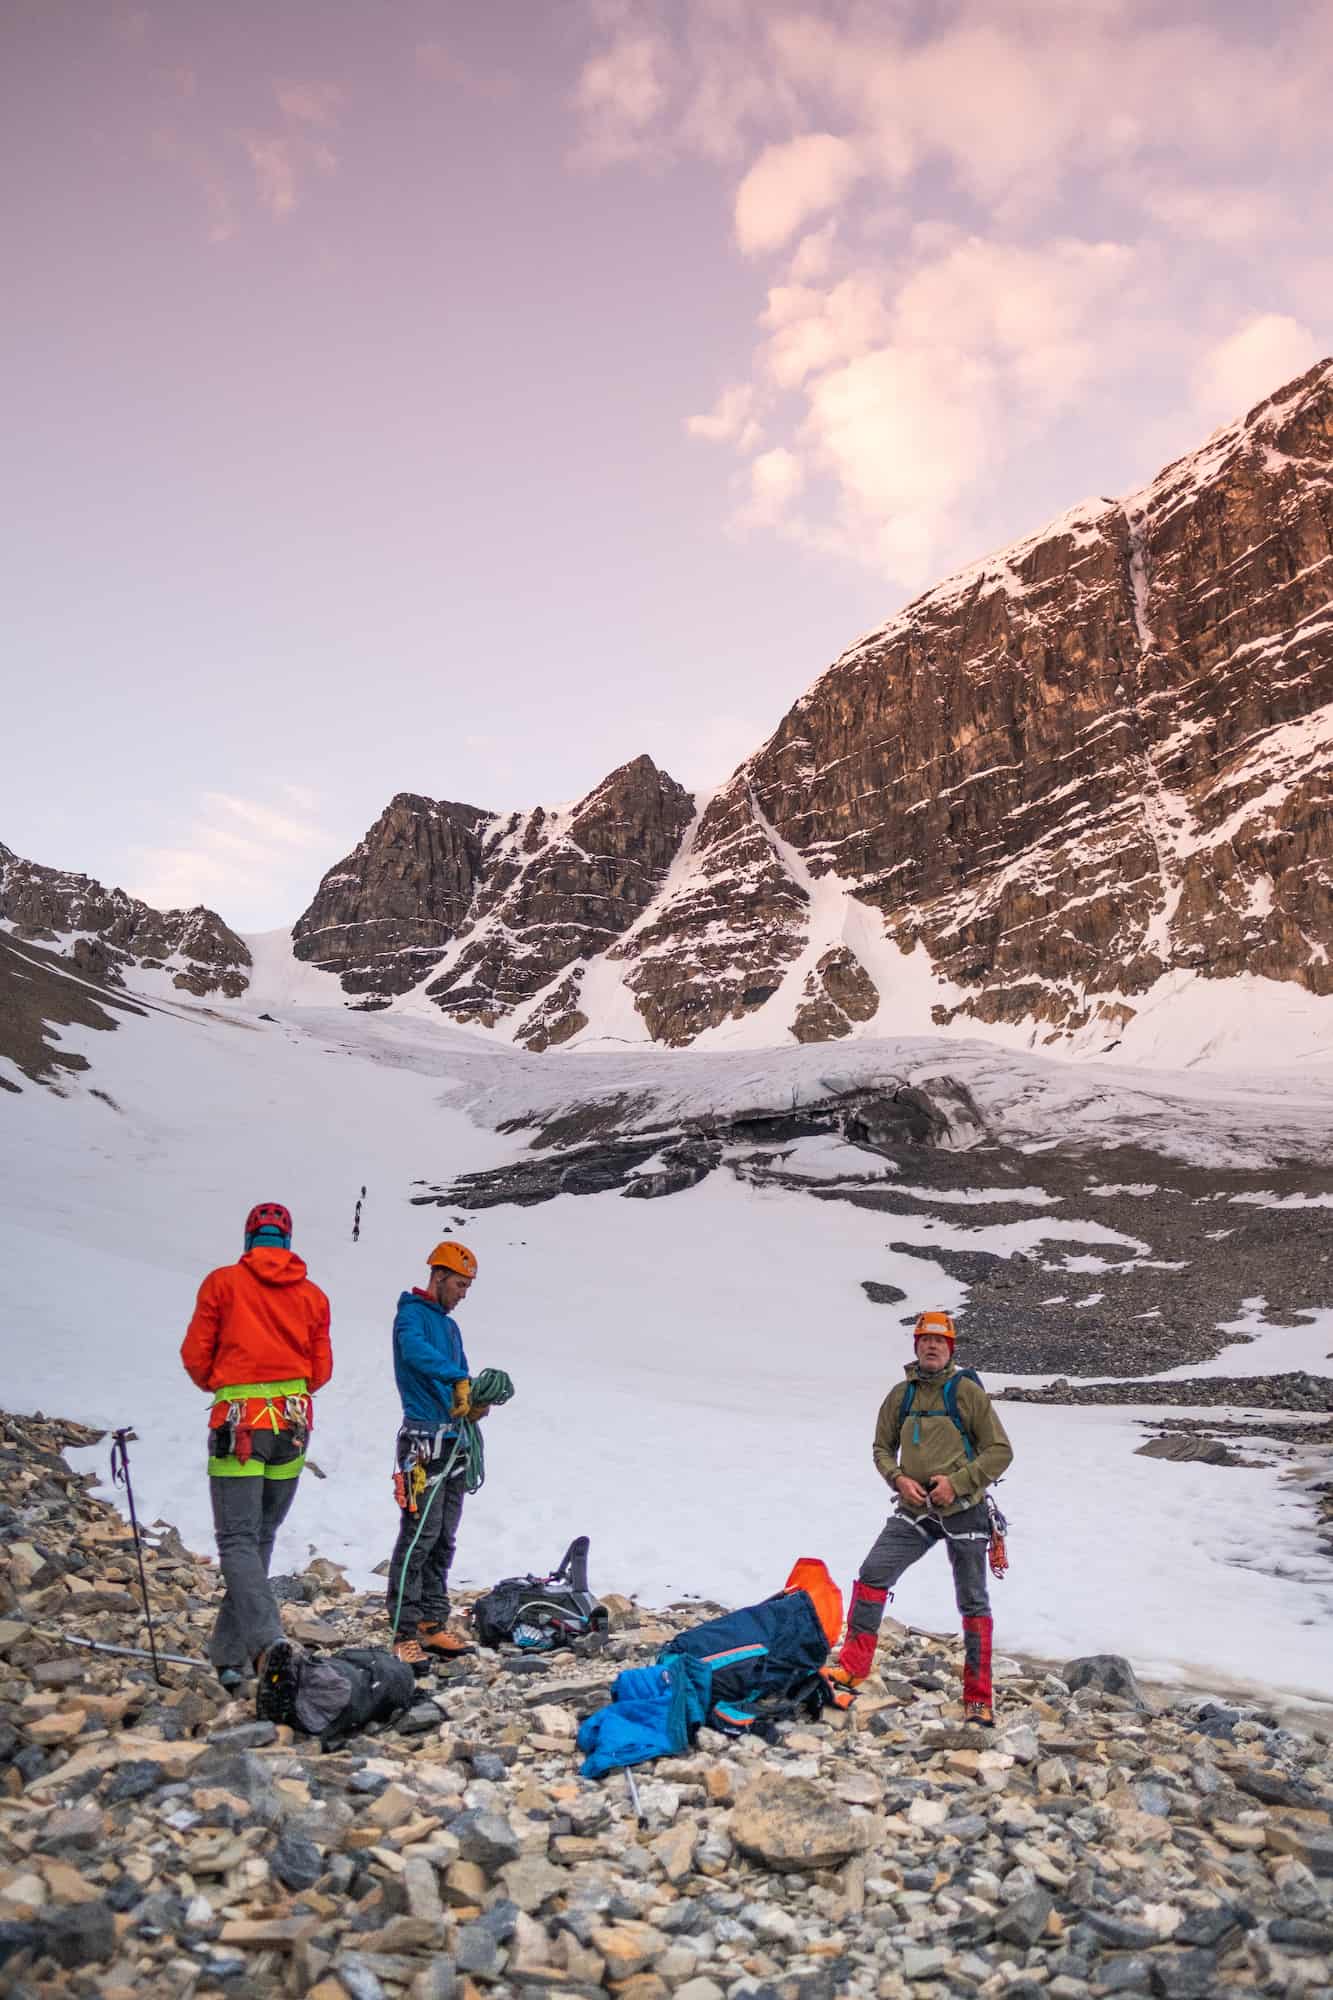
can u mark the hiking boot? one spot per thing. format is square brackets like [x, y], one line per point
[275, 1689]
[411, 1655]
[843, 1687]
[446, 1645]
[979, 1714]
[232, 1678]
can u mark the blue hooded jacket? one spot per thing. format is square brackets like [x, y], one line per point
[428, 1359]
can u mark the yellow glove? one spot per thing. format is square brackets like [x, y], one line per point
[462, 1403]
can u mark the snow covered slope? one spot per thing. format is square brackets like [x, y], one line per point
[697, 1376]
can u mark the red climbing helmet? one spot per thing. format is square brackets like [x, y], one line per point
[267, 1215]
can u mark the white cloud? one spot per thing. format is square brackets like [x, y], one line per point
[271, 825]
[776, 477]
[1238, 372]
[810, 330]
[904, 431]
[813, 256]
[621, 93]
[234, 852]
[1233, 218]
[731, 420]
[789, 184]
[979, 221]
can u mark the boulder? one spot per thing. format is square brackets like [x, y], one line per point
[795, 1823]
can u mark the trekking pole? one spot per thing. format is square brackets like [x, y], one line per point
[120, 1473]
[128, 1652]
[634, 1795]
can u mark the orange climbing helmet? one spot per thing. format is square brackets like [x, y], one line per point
[453, 1257]
[938, 1323]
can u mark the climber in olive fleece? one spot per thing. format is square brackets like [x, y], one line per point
[939, 1470]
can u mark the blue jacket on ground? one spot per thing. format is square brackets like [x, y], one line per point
[428, 1360]
[653, 1712]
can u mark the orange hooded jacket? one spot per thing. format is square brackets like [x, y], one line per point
[261, 1320]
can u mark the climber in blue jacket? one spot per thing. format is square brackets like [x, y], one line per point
[435, 1387]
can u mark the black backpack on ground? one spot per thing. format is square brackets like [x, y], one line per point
[539, 1613]
[332, 1695]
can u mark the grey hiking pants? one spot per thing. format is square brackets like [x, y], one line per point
[904, 1539]
[420, 1561]
[247, 1514]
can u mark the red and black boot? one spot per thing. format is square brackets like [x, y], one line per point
[978, 1695]
[857, 1656]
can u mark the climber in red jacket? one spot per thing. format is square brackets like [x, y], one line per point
[259, 1344]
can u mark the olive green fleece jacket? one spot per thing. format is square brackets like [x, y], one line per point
[930, 1443]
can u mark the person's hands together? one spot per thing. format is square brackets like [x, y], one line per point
[908, 1490]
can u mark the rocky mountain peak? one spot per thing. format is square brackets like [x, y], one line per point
[107, 932]
[496, 905]
[383, 915]
[1090, 768]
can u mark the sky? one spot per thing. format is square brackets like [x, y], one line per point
[466, 400]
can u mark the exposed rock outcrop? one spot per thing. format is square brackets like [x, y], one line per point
[717, 947]
[497, 907]
[838, 992]
[559, 887]
[382, 917]
[108, 933]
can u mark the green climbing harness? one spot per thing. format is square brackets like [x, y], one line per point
[468, 1458]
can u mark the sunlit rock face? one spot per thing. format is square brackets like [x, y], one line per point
[1095, 759]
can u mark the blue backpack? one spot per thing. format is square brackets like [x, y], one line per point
[764, 1661]
[950, 1406]
[746, 1670]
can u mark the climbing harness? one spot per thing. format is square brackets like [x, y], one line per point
[278, 1408]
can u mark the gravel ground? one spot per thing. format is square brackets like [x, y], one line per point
[1207, 1255]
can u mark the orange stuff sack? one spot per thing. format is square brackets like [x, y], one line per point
[811, 1576]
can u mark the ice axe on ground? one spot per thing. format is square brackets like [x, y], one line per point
[120, 1473]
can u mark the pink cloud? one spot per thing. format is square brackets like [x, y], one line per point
[789, 184]
[279, 164]
[310, 103]
[1249, 363]
[202, 169]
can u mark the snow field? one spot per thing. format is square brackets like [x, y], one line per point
[697, 1377]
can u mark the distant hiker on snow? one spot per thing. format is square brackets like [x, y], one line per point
[437, 1459]
[259, 1343]
[939, 1444]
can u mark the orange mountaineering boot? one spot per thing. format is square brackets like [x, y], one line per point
[444, 1644]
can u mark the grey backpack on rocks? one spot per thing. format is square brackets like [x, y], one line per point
[333, 1695]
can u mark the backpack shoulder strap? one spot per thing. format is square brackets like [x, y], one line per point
[951, 1405]
[908, 1400]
